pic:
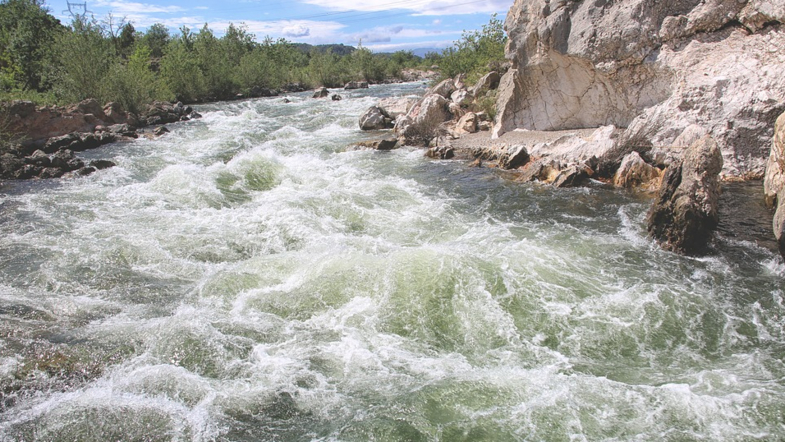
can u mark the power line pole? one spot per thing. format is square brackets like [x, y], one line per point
[73, 6]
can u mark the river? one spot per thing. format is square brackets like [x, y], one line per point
[247, 278]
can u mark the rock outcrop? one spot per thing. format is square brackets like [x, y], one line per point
[774, 182]
[656, 68]
[44, 139]
[685, 212]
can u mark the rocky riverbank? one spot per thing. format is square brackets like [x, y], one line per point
[43, 140]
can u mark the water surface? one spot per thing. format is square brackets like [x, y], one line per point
[246, 277]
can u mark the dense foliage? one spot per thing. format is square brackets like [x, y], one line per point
[111, 61]
[476, 53]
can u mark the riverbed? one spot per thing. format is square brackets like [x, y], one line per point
[248, 277]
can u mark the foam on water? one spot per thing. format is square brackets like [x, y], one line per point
[246, 278]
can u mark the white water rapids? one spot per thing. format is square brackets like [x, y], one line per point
[246, 278]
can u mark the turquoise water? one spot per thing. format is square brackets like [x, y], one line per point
[246, 277]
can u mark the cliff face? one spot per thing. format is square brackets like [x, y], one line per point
[657, 68]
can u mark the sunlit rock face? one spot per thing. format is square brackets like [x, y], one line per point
[656, 68]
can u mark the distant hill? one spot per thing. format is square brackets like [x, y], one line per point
[420, 52]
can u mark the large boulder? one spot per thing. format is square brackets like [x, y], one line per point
[654, 67]
[418, 127]
[774, 180]
[779, 222]
[375, 118]
[396, 106]
[684, 215]
[444, 88]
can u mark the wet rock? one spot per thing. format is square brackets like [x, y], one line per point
[440, 152]
[27, 171]
[383, 144]
[160, 131]
[51, 172]
[61, 158]
[294, 87]
[336, 97]
[636, 173]
[102, 164]
[124, 130]
[774, 179]
[9, 165]
[258, 91]
[356, 85]
[62, 142]
[85, 171]
[38, 158]
[514, 157]
[684, 215]
[778, 223]
[286, 100]
[195, 115]
[322, 92]
[572, 176]
[375, 118]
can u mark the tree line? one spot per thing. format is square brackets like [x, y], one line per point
[43, 60]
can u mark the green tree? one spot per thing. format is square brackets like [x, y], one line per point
[476, 52]
[27, 32]
[133, 84]
[82, 57]
[181, 74]
[156, 38]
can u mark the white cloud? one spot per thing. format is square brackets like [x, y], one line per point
[128, 8]
[437, 22]
[392, 47]
[420, 7]
[204, 8]
[296, 31]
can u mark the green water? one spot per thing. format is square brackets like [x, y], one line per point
[246, 278]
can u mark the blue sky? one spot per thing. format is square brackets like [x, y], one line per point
[382, 26]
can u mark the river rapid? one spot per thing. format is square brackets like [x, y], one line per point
[247, 278]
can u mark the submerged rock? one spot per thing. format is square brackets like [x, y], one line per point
[685, 214]
[322, 92]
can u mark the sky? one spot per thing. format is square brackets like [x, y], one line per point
[382, 26]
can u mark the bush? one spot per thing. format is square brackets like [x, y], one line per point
[83, 58]
[475, 53]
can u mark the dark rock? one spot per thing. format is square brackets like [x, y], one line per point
[61, 158]
[195, 115]
[336, 97]
[160, 131]
[51, 172]
[440, 152]
[572, 176]
[102, 164]
[85, 171]
[322, 92]
[514, 157]
[383, 144]
[489, 82]
[124, 130]
[62, 142]
[294, 87]
[88, 106]
[27, 171]
[258, 91]
[74, 164]
[9, 165]
[684, 215]
[21, 108]
[286, 100]
[375, 118]
[38, 158]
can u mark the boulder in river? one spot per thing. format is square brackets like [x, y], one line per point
[375, 118]
[322, 92]
[685, 213]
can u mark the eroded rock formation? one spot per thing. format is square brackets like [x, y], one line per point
[656, 68]
[685, 214]
[774, 182]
